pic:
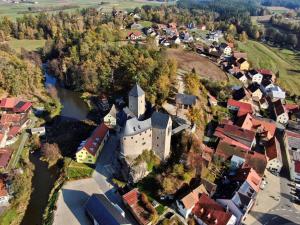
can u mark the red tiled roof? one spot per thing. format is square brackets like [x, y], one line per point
[192, 198]
[273, 149]
[265, 72]
[136, 33]
[243, 107]
[3, 191]
[5, 154]
[22, 106]
[13, 131]
[292, 134]
[210, 212]
[292, 107]
[260, 125]
[249, 175]
[297, 166]
[11, 118]
[253, 160]
[132, 200]
[236, 133]
[132, 197]
[8, 103]
[92, 143]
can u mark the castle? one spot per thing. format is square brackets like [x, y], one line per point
[153, 133]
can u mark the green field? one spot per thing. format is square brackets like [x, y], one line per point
[17, 10]
[30, 45]
[284, 61]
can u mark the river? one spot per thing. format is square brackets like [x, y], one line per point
[44, 178]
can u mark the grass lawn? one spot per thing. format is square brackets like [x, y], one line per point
[284, 61]
[30, 45]
[8, 216]
[17, 10]
[78, 170]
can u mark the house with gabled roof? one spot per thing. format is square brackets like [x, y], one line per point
[103, 212]
[131, 201]
[242, 64]
[225, 151]
[4, 193]
[280, 112]
[264, 127]
[236, 135]
[110, 120]
[186, 204]
[89, 150]
[255, 91]
[244, 198]
[242, 77]
[273, 152]
[241, 108]
[209, 212]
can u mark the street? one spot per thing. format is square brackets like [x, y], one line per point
[284, 212]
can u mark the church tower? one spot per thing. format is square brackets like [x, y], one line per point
[137, 102]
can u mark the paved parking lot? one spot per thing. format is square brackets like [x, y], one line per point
[71, 200]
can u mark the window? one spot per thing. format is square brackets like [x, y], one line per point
[131, 137]
[143, 143]
[157, 138]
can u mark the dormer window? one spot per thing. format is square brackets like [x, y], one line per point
[209, 216]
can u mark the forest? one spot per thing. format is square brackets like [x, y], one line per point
[292, 4]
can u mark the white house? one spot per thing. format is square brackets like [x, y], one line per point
[275, 92]
[280, 112]
[110, 120]
[242, 77]
[257, 78]
[186, 204]
[4, 196]
[273, 153]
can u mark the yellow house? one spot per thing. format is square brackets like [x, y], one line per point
[243, 64]
[110, 119]
[89, 150]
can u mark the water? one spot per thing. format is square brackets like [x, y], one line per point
[73, 106]
[44, 178]
[42, 182]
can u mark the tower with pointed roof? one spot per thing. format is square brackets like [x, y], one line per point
[137, 102]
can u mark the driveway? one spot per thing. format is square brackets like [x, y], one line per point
[74, 194]
[71, 200]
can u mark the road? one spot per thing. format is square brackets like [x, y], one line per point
[24, 138]
[284, 212]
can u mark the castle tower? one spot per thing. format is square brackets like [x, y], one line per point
[137, 102]
[161, 134]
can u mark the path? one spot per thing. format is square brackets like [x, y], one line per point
[24, 137]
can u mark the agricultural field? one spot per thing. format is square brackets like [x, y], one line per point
[283, 61]
[204, 67]
[278, 9]
[30, 45]
[16, 10]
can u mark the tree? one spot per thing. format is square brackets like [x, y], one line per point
[192, 83]
[243, 37]
[51, 152]
[292, 40]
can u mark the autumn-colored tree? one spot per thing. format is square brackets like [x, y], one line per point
[51, 152]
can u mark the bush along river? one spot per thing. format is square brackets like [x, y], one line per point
[44, 177]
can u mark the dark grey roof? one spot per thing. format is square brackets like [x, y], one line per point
[136, 91]
[100, 209]
[159, 120]
[185, 99]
